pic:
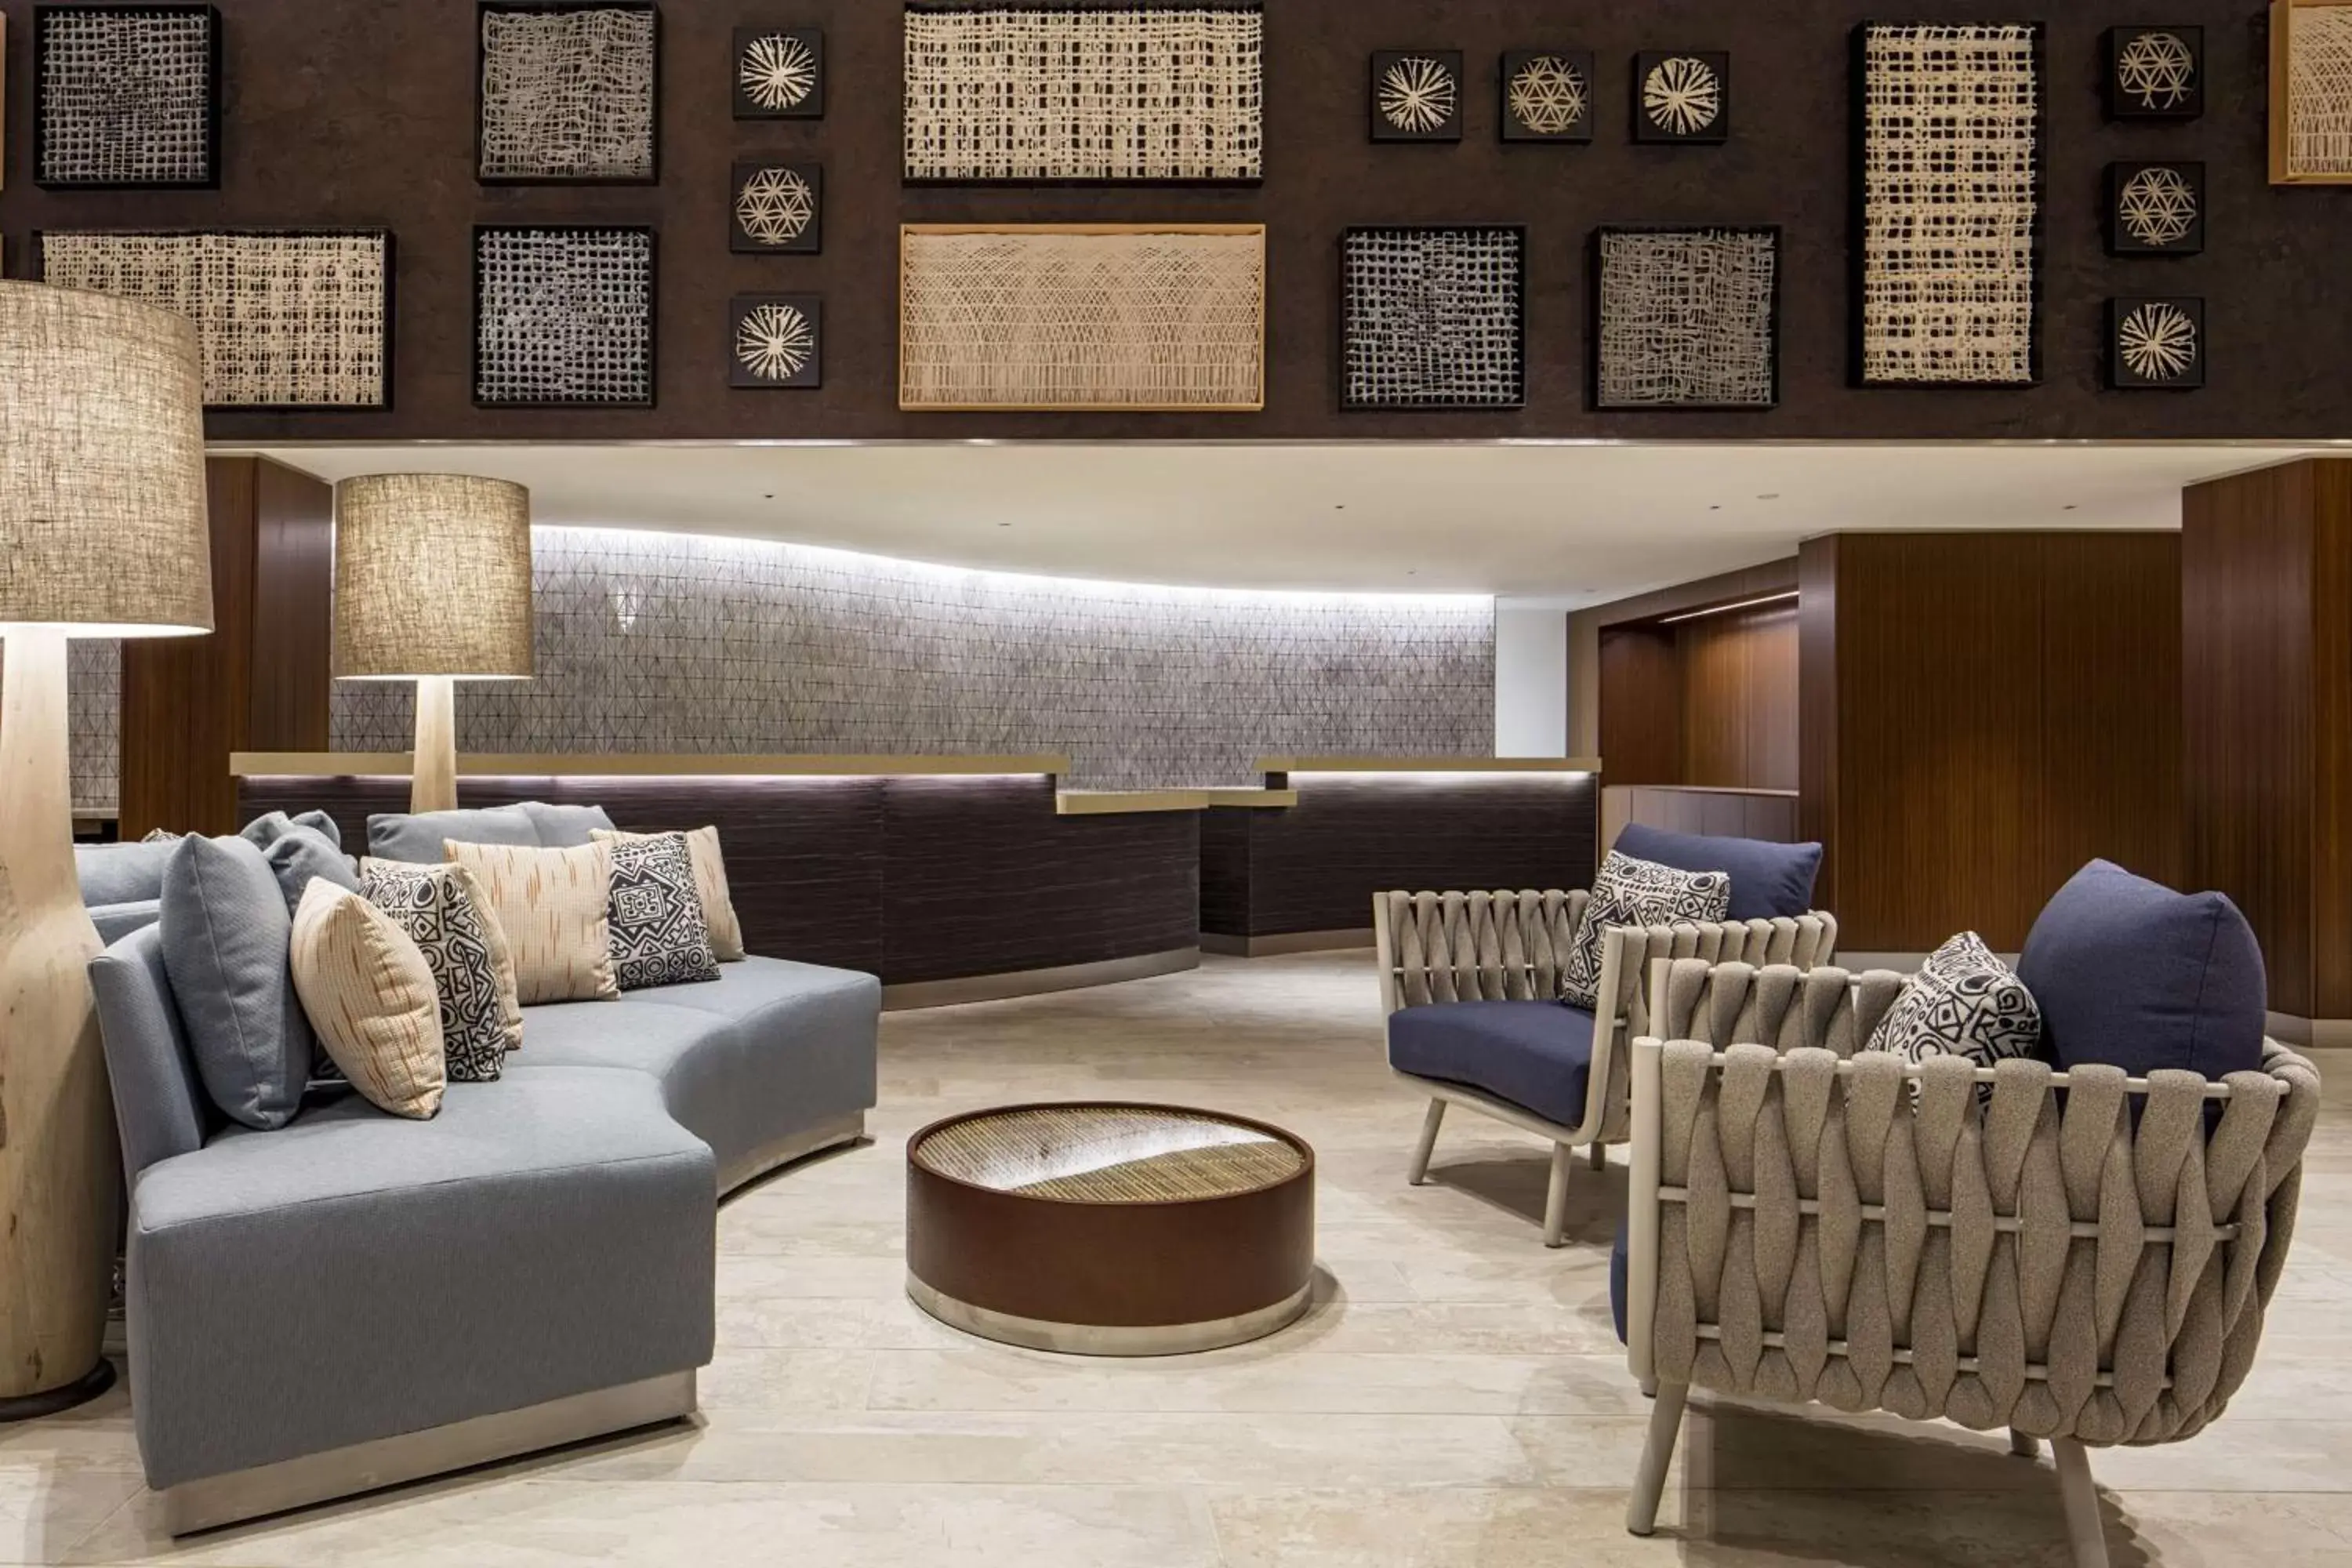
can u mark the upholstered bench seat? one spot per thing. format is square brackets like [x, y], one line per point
[1538, 1055]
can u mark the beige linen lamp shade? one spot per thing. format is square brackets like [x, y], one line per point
[432, 578]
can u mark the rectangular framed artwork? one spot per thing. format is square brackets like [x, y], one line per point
[288, 319]
[1084, 91]
[567, 92]
[1432, 317]
[2311, 93]
[1687, 318]
[563, 317]
[126, 97]
[1947, 189]
[1079, 317]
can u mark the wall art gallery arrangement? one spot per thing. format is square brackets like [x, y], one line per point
[1556, 227]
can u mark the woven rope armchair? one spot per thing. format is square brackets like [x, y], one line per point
[1511, 946]
[1811, 1224]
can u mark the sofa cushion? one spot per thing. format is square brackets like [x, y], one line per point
[1768, 880]
[554, 907]
[226, 931]
[122, 873]
[711, 885]
[369, 990]
[115, 921]
[2130, 973]
[659, 936]
[1964, 1003]
[1631, 893]
[436, 907]
[419, 836]
[300, 848]
[565, 827]
[1534, 1055]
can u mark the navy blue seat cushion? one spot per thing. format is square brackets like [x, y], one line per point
[2129, 974]
[1767, 879]
[1534, 1055]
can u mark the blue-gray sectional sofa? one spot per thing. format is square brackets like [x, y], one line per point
[354, 1300]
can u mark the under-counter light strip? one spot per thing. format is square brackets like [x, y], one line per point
[1727, 609]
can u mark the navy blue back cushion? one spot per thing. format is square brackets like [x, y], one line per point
[1767, 879]
[2129, 974]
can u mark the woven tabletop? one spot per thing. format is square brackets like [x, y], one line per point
[1108, 1154]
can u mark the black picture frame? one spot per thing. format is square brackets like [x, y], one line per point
[747, 107]
[1594, 281]
[1387, 131]
[652, 316]
[2155, 212]
[2136, 100]
[212, 96]
[808, 241]
[1349, 404]
[1515, 127]
[2123, 375]
[38, 262]
[809, 376]
[1647, 129]
[1858, 218]
[483, 9]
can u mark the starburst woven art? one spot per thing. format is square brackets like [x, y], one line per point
[1687, 318]
[285, 320]
[1085, 92]
[568, 94]
[779, 73]
[1431, 318]
[1075, 318]
[778, 340]
[2157, 345]
[125, 95]
[563, 316]
[1950, 131]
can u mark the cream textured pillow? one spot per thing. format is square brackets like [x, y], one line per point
[370, 996]
[551, 904]
[710, 882]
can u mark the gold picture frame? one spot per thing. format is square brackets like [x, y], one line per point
[2311, 104]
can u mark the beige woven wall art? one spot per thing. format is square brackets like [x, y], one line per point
[285, 320]
[2311, 93]
[1079, 317]
[1078, 92]
[1951, 172]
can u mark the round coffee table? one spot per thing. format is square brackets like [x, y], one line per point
[1103, 1228]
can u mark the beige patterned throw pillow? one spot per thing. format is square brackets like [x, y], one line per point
[370, 996]
[710, 881]
[549, 904]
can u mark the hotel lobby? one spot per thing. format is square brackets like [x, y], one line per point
[1173, 783]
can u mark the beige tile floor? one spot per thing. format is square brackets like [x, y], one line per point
[1455, 1398]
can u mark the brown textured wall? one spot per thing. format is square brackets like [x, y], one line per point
[360, 112]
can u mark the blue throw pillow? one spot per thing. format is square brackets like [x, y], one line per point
[121, 873]
[566, 826]
[300, 848]
[2129, 974]
[225, 931]
[1767, 879]
[418, 837]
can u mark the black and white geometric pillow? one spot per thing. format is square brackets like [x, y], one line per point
[1965, 1003]
[433, 907]
[1630, 893]
[659, 936]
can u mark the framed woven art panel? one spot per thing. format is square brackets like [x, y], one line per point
[563, 318]
[2311, 93]
[1687, 318]
[1084, 91]
[568, 93]
[1075, 317]
[1948, 182]
[126, 97]
[1433, 318]
[290, 319]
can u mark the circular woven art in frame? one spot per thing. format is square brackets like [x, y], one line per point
[777, 341]
[777, 207]
[1547, 96]
[1417, 95]
[779, 73]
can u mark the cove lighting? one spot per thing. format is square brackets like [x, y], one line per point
[1727, 609]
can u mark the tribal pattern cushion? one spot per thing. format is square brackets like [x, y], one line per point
[659, 934]
[434, 907]
[1965, 1003]
[1631, 893]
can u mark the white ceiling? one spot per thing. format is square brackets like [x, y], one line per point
[1573, 523]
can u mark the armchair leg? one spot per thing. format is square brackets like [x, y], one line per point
[1556, 1198]
[1657, 1453]
[1428, 1144]
[1597, 1155]
[2083, 1533]
[2022, 1446]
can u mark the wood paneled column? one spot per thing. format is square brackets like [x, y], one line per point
[2266, 624]
[260, 682]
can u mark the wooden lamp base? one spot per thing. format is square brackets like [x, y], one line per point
[432, 766]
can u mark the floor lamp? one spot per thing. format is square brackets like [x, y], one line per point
[103, 533]
[432, 584]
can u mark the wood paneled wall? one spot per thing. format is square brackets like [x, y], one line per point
[1981, 713]
[2266, 616]
[1710, 702]
[259, 681]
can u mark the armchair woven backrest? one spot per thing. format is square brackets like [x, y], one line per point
[2071, 1255]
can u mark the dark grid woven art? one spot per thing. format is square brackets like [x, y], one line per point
[567, 94]
[126, 95]
[1434, 318]
[563, 316]
[1687, 318]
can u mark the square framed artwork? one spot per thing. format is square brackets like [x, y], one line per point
[563, 317]
[2156, 209]
[779, 73]
[1687, 318]
[2156, 71]
[567, 92]
[1433, 318]
[1682, 97]
[126, 97]
[2156, 344]
[1416, 95]
[778, 208]
[776, 341]
[1548, 95]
